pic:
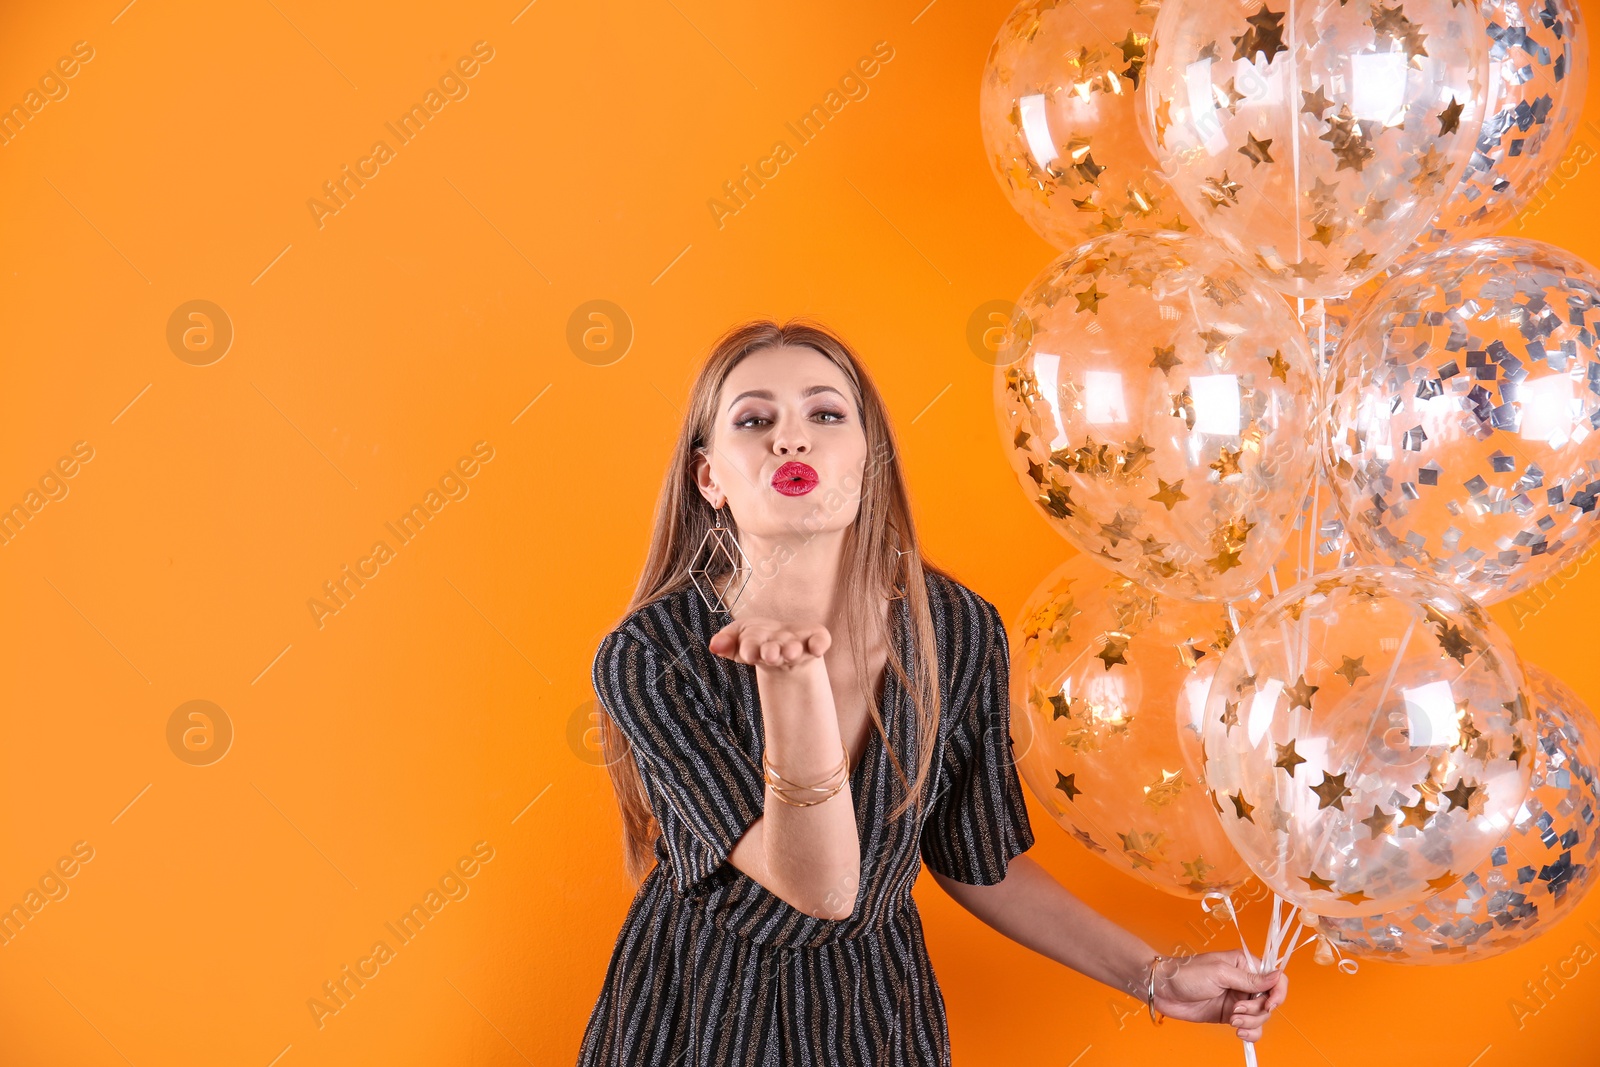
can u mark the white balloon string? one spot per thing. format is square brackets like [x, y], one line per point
[1294, 127]
[1394, 668]
[1269, 960]
[1308, 935]
[1300, 541]
[1320, 389]
[1299, 944]
[1297, 663]
[1244, 650]
[1209, 903]
[1272, 958]
[1322, 339]
[1297, 649]
[1276, 932]
[1313, 521]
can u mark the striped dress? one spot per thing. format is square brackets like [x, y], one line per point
[712, 969]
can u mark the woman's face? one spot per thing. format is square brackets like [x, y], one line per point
[788, 451]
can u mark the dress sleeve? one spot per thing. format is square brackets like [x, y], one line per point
[704, 789]
[978, 821]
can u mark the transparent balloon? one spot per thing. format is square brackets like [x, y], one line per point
[1105, 676]
[1312, 546]
[1156, 403]
[1316, 140]
[1366, 740]
[1534, 877]
[1057, 107]
[1461, 432]
[1538, 72]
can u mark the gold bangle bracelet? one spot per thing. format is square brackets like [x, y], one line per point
[823, 791]
[779, 780]
[782, 788]
[1150, 989]
[805, 803]
[825, 787]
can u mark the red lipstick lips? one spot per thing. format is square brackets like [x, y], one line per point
[794, 479]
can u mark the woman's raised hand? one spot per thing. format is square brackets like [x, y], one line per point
[763, 642]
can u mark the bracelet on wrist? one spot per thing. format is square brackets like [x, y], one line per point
[1150, 988]
[800, 795]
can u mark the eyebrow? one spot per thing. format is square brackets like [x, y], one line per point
[766, 394]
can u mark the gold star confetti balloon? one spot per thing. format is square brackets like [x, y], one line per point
[1533, 878]
[1300, 557]
[1538, 70]
[1367, 740]
[1315, 139]
[1105, 673]
[1158, 409]
[1465, 399]
[1057, 107]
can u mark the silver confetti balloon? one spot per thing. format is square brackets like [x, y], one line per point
[1463, 404]
[1538, 71]
[1534, 877]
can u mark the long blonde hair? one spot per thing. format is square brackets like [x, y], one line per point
[882, 525]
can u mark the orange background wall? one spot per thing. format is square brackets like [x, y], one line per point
[445, 704]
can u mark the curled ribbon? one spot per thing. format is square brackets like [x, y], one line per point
[1273, 956]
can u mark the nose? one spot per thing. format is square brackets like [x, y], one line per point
[790, 442]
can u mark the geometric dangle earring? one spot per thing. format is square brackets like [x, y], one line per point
[900, 574]
[722, 553]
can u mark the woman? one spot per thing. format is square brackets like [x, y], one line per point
[802, 712]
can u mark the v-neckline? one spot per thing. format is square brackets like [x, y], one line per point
[886, 697]
[888, 703]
